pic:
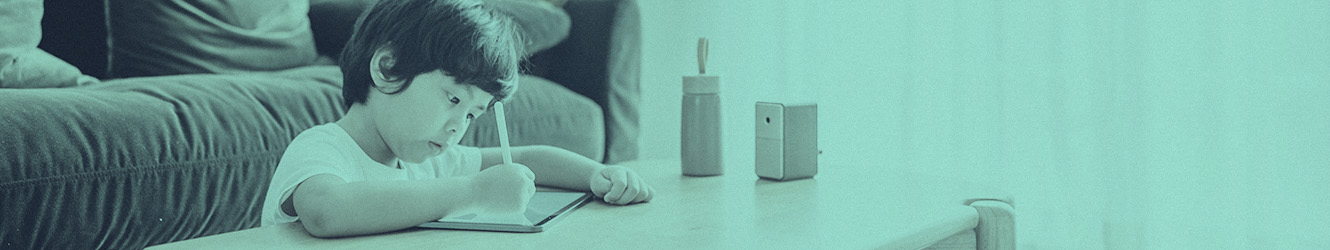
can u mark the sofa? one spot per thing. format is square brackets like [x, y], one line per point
[146, 148]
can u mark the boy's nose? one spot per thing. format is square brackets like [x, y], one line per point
[452, 128]
[455, 125]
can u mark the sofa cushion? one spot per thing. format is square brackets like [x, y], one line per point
[545, 113]
[168, 37]
[135, 162]
[142, 161]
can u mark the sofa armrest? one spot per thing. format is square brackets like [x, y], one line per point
[997, 225]
[601, 59]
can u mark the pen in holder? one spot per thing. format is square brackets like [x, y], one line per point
[700, 150]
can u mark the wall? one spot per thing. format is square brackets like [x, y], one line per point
[1117, 124]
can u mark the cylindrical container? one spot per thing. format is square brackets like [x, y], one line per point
[700, 143]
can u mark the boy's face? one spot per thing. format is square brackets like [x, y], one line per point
[430, 115]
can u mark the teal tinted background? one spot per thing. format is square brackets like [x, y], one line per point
[1116, 124]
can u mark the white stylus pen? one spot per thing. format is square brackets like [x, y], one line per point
[503, 133]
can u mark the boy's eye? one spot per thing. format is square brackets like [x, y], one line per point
[454, 100]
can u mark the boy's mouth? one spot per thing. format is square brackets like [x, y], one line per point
[436, 145]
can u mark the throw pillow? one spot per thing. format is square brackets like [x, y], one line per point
[20, 22]
[22, 64]
[167, 37]
[34, 68]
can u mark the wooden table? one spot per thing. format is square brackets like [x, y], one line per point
[841, 208]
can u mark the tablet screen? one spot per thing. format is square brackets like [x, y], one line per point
[544, 208]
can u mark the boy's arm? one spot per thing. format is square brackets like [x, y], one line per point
[554, 167]
[329, 206]
[560, 168]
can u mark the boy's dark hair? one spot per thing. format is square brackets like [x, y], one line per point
[465, 39]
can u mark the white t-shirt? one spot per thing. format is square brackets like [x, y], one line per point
[328, 149]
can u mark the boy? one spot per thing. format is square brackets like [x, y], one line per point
[415, 73]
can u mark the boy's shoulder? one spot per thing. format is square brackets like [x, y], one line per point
[321, 131]
[321, 139]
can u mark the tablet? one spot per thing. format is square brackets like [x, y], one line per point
[545, 208]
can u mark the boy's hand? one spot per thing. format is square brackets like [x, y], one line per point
[503, 188]
[619, 185]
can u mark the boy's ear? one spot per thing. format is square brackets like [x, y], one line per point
[383, 59]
